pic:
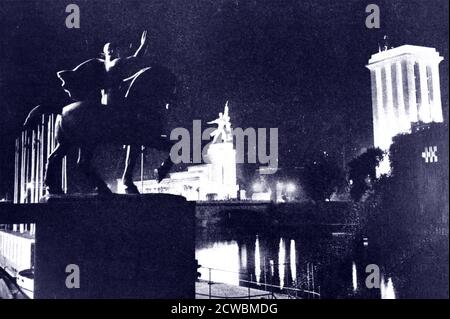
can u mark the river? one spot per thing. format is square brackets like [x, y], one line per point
[332, 265]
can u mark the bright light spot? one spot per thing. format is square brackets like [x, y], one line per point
[257, 187]
[280, 185]
[30, 185]
[291, 188]
[354, 277]
[222, 256]
[365, 241]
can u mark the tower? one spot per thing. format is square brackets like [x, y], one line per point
[405, 90]
[222, 159]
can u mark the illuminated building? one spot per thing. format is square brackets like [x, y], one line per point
[405, 90]
[215, 180]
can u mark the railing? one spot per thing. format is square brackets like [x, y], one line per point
[252, 289]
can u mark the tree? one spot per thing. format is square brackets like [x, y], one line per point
[362, 170]
[321, 177]
[405, 214]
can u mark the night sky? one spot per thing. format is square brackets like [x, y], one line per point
[297, 65]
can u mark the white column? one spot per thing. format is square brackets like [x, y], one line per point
[390, 112]
[16, 170]
[424, 106]
[412, 107]
[436, 106]
[32, 229]
[403, 119]
[375, 115]
[33, 166]
[380, 141]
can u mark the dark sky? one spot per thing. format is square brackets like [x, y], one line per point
[297, 65]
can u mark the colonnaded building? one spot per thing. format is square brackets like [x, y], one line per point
[408, 124]
[405, 92]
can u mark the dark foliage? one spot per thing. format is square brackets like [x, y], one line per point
[362, 170]
[321, 177]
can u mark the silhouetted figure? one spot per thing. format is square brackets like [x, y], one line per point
[119, 100]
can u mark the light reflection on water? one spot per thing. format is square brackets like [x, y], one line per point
[272, 268]
[281, 261]
[354, 277]
[293, 261]
[241, 260]
[257, 261]
[222, 256]
[276, 260]
[244, 256]
[387, 289]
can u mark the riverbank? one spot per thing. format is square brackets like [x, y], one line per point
[204, 290]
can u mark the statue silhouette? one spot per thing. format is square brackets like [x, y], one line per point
[118, 100]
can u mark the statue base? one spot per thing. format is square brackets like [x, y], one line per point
[116, 246]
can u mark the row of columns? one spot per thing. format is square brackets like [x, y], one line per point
[32, 150]
[403, 92]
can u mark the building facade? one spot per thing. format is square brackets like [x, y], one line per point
[405, 90]
[214, 180]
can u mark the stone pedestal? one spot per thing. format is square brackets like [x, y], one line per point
[125, 246]
[222, 170]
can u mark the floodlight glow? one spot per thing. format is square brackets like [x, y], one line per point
[257, 187]
[291, 187]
